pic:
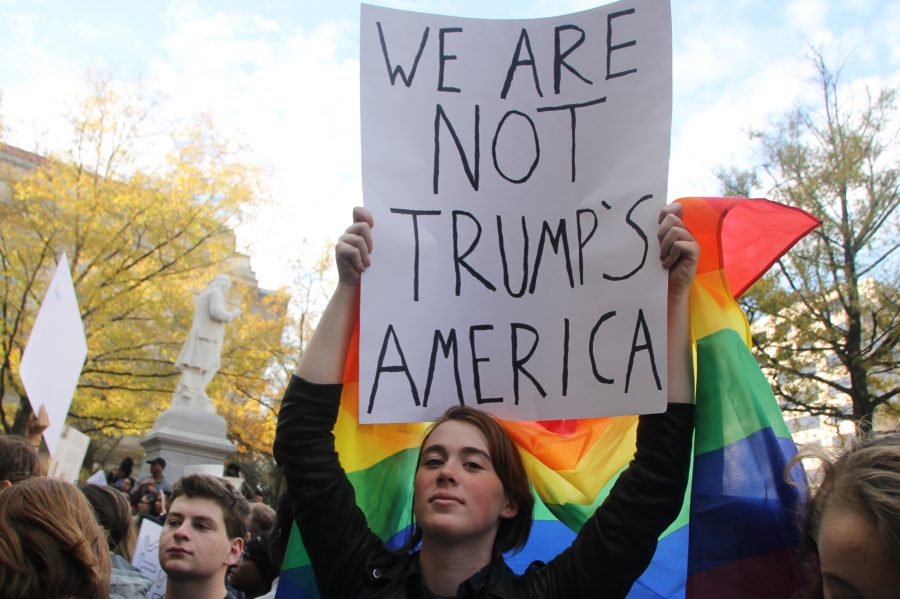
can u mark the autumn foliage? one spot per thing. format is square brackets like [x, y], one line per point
[142, 236]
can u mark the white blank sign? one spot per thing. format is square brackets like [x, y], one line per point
[55, 353]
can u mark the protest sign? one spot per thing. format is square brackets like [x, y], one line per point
[69, 455]
[146, 558]
[55, 353]
[515, 170]
[97, 478]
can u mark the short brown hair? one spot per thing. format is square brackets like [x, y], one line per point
[18, 459]
[262, 518]
[113, 513]
[513, 532]
[235, 507]
[50, 543]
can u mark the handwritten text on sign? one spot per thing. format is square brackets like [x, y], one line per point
[515, 170]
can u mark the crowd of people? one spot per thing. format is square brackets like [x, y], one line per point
[69, 541]
[472, 502]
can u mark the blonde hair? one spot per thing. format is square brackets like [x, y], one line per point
[864, 480]
[50, 543]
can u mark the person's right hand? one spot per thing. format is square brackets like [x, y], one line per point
[37, 424]
[354, 247]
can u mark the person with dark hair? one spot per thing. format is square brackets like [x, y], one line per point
[154, 483]
[120, 473]
[126, 485]
[147, 510]
[203, 536]
[50, 543]
[114, 514]
[160, 506]
[279, 536]
[254, 573]
[471, 497]
[850, 545]
[18, 460]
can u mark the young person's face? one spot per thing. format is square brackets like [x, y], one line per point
[194, 542]
[145, 505]
[458, 495]
[853, 562]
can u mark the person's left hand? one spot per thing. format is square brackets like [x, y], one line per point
[678, 249]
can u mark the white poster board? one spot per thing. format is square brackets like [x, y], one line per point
[515, 171]
[146, 558]
[55, 353]
[209, 469]
[69, 455]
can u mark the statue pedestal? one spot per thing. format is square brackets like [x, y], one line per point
[187, 437]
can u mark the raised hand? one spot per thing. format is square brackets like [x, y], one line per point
[353, 250]
[678, 250]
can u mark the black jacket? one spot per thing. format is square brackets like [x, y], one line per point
[609, 553]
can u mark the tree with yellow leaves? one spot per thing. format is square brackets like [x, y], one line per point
[141, 242]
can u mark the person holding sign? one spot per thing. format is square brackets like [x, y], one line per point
[472, 500]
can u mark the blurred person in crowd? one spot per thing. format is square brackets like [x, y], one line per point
[146, 509]
[120, 473]
[126, 485]
[51, 545]
[262, 517]
[202, 537]
[18, 460]
[114, 514]
[254, 573]
[156, 482]
[159, 506]
[279, 536]
[851, 539]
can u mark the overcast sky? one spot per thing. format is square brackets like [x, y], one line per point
[282, 76]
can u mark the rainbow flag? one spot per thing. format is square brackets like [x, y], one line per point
[743, 532]
[737, 520]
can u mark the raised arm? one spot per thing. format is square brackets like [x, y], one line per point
[323, 360]
[679, 253]
[335, 532]
[615, 546]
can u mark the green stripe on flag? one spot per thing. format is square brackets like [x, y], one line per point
[734, 399]
[383, 493]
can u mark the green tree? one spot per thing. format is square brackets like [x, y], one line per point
[141, 241]
[827, 320]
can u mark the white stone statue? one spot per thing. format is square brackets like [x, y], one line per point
[200, 357]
